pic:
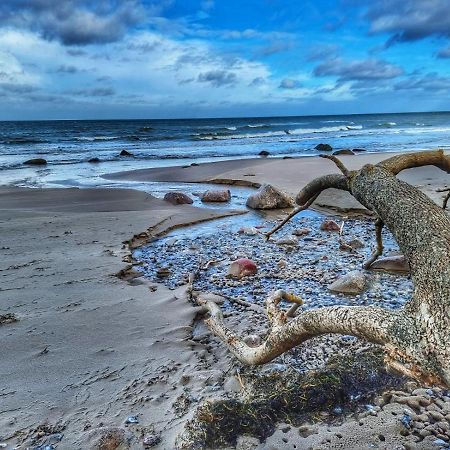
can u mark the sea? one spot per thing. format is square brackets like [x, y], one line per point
[68, 145]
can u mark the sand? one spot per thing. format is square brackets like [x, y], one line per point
[89, 349]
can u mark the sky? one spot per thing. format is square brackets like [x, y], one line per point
[77, 59]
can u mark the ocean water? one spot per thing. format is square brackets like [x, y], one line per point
[68, 145]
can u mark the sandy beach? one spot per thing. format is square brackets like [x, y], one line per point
[98, 361]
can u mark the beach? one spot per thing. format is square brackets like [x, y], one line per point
[98, 356]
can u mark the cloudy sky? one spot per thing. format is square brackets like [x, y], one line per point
[64, 59]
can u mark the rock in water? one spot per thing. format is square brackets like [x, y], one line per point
[391, 264]
[344, 151]
[36, 162]
[353, 283]
[263, 153]
[323, 147]
[241, 268]
[269, 197]
[178, 198]
[329, 225]
[94, 160]
[125, 153]
[216, 196]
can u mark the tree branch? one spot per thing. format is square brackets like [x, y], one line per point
[379, 249]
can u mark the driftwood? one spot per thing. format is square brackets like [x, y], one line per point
[416, 338]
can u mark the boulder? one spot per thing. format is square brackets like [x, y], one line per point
[94, 160]
[125, 153]
[393, 264]
[36, 162]
[269, 197]
[344, 151]
[241, 268]
[352, 283]
[263, 153]
[178, 198]
[216, 196]
[329, 225]
[323, 147]
[358, 150]
[250, 231]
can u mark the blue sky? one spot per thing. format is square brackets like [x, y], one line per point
[221, 58]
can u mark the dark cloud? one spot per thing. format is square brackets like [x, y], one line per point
[410, 20]
[67, 69]
[289, 83]
[444, 53]
[12, 88]
[95, 92]
[218, 78]
[322, 52]
[367, 69]
[73, 22]
[275, 47]
[431, 82]
[258, 81]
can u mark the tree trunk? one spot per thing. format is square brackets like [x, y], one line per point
[416, 338]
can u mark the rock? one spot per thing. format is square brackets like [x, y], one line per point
[209, 297]
[178, 198]
[131, 420]
[232, 385]
[344, 151]
[324, 147]
[287, 240]
[301, 231]
[94, 160]
[269, 197]
[242, 267]
[36, 162]
[125, 153]
[252, 340]
[357, 150]
[393, 264]
[263, 153]
[151, 439]
[163, 272]
[329, 225]
[353, 283]
[216, 196]
[250, 231]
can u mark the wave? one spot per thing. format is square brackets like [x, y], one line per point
[387, 125]
[21, 140]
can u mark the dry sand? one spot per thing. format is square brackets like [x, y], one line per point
[89, 349]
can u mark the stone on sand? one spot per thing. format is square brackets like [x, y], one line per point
[269, 197]
[242, 267]
[344, 151]
[178, 198]
[216, 196]
[329, 225]
[394, 264]
[354, 282]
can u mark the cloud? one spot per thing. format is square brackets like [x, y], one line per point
[73, 22]
[66, 69]
[289, 83]
[431, 82]
[444, 53]
[410, 20]
[367, 69]
[322, 52]
[95, 92]
[274, 47]
[218, 78]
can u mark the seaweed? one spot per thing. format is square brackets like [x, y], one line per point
[289, 397]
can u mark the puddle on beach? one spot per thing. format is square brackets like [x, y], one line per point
[305, 269]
